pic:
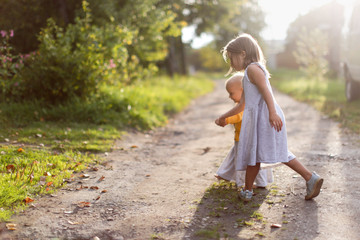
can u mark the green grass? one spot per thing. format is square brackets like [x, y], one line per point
[94, 125]
[327, 96]
[210, 232]
[220, 203]
[38, 139]
[26, 173]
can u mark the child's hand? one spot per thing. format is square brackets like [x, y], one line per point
[275, 122]
[220, 122]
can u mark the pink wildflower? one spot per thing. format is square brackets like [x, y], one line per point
[112, 64]
[3, 33]
[11, 33]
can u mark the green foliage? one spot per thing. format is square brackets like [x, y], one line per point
[8, 60]
[329, 18]
[27, 18]
[69, 63]
[311, 52]
[61, 131]
[94, 124]
[209, 233]
[235, 17]
[10, 64]
[327, 96]
[74, 61]
[26, 173]
[207, 58]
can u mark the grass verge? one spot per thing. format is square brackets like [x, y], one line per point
[326, 96]
[43, 145]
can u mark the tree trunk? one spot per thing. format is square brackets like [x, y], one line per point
[182, 57]
[62, 11]
[170, 61]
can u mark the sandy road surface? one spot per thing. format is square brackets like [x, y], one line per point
[154, 182]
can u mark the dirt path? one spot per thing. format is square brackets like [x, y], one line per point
[156, 185]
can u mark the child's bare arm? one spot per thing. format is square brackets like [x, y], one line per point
[235, 110]
[257, 77]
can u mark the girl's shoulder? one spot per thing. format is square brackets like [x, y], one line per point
[256, 69]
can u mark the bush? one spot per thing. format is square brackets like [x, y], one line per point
[69, 63]
[311, 53]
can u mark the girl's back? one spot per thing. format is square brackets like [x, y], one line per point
[258, 141]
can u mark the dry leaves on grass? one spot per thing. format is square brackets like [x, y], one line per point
[28, 200]
[10, 168]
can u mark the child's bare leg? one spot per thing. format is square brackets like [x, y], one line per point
[251, 172]
[299, 168]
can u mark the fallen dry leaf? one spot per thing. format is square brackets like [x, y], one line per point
[21, 150]
[11, 226]
[94, 187]
[10, 168]
[84, 204]
[49, 184]
[104, 191]
[98, 197]
[28, 200]
[84, 175]
[134, 146]
[101, 178]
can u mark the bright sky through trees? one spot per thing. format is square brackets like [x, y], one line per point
[278, 16]
[280, 13]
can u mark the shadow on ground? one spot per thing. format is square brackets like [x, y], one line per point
[221, 214]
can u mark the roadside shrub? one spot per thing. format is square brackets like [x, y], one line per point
[69, 63]
[311, 53]
[11, 64]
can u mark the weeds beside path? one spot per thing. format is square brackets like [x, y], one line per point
[160, 185]
[43, 146]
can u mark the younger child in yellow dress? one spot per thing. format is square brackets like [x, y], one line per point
[227, 169]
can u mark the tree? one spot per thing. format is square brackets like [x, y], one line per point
[26, 18]
[311, 53]
[223, 19]
[330, 20]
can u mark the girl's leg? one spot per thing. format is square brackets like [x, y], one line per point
[299, 168]
[313, 180]
[251, 172]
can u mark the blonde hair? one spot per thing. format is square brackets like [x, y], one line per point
[236, 78]
[244, 43]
